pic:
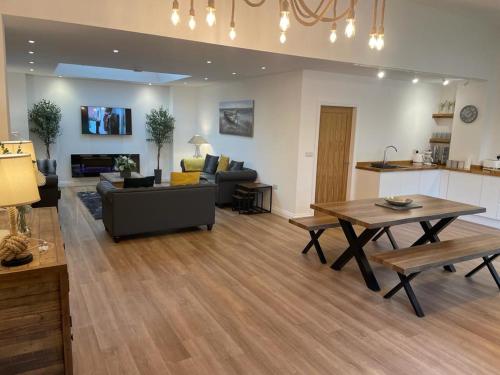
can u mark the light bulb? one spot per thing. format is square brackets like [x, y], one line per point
[381, 74]
[211, 16]
[350, 29]
[282, 37]
[380, 42]
[284, 21]
[333, 36]
[415, 80]
[175, 17]
[232, 33]
[446, 82]
[373, 41]
[192, 22]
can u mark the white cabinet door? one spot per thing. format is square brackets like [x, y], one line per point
[443, 184]
[399, 183]
[465, 187]
[430, 182]
[490, 196]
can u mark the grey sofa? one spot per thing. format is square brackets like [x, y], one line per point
[146, 210]
[50, 192]
[226, 182]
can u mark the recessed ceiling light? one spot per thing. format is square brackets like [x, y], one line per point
[381, 74]
[31, 52]
[31, 41]
[185, 83]
[209, 61]
[414, 80]
[115, 51]
[206, 78]
[233, 73]
[446, 82]
[263, 67]
[32, 70]
[149, 83]
[32, 62]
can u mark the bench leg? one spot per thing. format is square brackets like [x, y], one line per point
[314, 241]
[481, 266]
[491, 268]
[405, 283]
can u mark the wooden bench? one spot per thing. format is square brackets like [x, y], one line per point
[315, 225]
[409, 262]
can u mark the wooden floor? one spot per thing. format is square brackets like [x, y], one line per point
[242, 299]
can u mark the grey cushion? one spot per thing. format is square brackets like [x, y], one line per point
[235, 166]
[211, 162]
[47, 167]
[207, 177]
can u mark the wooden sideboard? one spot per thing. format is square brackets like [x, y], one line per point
[35, 321]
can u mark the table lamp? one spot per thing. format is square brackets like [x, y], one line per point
[23, 147]
[197, 140]
[18, 187]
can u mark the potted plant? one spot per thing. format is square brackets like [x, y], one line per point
[125, 166]
[160, 130]
[45, 117]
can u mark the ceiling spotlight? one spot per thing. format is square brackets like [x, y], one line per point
[115, 51]
[263, 67]
[206, 78]
[59, 76]
[149, 84]
[414, 80]
[32, 70]
[31, 41]
[446, 82]
[31, 52]
[32, 62]
[209, 61]
[381, 74]
[233, 73]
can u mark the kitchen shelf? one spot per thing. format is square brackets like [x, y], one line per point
[439, 140]
[442, 115]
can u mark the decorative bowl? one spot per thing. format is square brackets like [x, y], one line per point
[398, 201]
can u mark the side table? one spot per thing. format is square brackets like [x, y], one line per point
[255, 191]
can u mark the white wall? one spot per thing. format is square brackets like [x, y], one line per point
[70, 94]
[388, 112]
[272, 151]
[16, 85]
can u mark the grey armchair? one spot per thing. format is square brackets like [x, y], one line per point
[49, 193]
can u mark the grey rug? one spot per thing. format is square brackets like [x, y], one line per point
[92, 200]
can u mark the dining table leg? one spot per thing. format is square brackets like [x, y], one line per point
[355, 250]
[431, 233]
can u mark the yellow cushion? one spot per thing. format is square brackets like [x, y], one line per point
[194, 164]
[184, 178]
[223, 163]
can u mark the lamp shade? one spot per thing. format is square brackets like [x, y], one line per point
[198, 140]
[20, 147]
[18, 185]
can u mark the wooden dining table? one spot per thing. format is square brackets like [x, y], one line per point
[374, 219]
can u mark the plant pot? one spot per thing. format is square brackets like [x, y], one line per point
[157, 176]
[125, 174]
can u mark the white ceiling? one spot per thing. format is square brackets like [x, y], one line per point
[487, 9]
[58, 42]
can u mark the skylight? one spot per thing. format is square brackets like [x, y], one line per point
[99, 72]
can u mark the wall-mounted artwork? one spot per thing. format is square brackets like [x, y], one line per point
[236, 118]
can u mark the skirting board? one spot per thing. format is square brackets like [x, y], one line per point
[482, 221]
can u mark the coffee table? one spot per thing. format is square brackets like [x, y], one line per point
[115, 179]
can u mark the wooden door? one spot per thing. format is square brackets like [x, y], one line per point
[333, 154]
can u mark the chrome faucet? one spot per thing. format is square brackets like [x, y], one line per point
[385, 152]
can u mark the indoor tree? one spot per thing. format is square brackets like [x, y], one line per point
[160, 129]
[45, 118]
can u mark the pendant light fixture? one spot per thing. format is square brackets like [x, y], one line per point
[350, 29]
[192, 20]
[232, 30]
[211, 13]
[333, 30]
[175, 13]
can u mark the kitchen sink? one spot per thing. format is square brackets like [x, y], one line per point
[381, 165]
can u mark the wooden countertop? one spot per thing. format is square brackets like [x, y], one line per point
[409, 166]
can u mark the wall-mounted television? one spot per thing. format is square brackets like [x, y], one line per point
[106, 120]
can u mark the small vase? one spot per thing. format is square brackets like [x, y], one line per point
[125, 174]
[22, 220]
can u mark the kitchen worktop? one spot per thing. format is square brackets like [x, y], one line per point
[407, 165]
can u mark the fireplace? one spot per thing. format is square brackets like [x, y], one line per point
[91, 165]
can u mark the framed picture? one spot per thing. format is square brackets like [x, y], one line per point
[236, 118]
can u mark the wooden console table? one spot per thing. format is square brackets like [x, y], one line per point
[35, 321]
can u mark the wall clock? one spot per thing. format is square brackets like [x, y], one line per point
[469, 113]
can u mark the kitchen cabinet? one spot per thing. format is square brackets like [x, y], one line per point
[430, 182]
[490, 196]
[443, 184]
[399, 183]
[465, 188]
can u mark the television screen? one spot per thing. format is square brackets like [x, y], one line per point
[106, 121]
